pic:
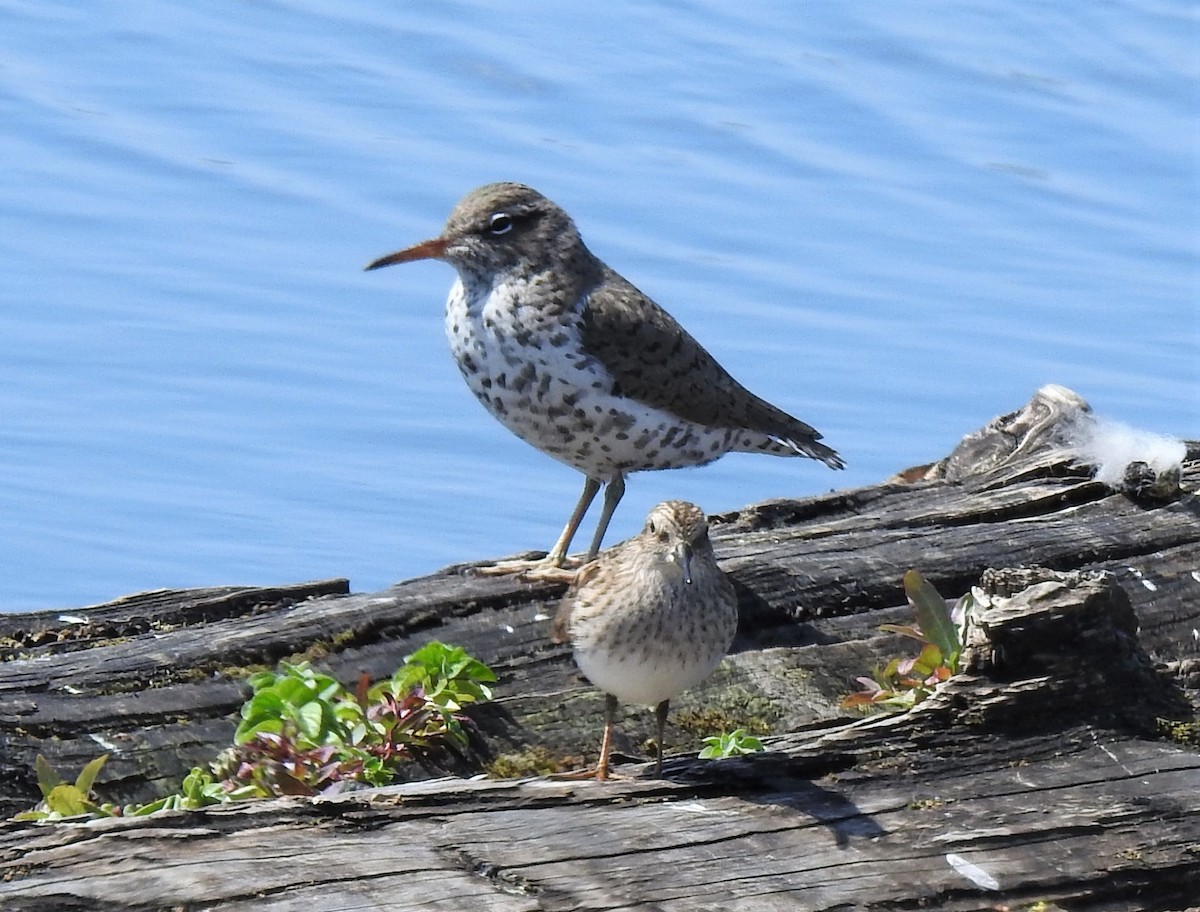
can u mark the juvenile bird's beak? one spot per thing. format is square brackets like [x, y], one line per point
[682, 555]
[433, 249]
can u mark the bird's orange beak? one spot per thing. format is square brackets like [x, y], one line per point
[433, 249]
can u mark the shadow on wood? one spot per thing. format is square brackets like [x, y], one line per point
[1039, 773]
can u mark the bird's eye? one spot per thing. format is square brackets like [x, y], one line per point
[500, 223]
[651, 527]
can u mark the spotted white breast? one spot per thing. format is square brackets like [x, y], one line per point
[527, 366]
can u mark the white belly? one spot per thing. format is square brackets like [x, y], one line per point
[530, 372]
[644, 679]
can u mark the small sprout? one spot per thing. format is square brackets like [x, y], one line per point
[62, 799]
[903, 683]
[733, 744]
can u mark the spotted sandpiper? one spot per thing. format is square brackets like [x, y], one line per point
[650, 617]
[574, 360]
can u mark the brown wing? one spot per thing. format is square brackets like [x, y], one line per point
[655, 361]
[560, 627]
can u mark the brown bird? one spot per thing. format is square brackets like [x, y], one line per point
[574, 360]
[650, 617]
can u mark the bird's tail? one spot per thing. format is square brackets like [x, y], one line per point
[753, 442]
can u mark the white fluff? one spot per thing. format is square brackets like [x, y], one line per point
[1111, 445]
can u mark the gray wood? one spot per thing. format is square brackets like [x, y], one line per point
[1040, 765]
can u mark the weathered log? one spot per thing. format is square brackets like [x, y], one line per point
[1037, 773]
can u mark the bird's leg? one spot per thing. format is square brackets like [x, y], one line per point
[550, 568]
[558, 554]
[660, 716]
[612, 496]
[610, 712]
[600, 773]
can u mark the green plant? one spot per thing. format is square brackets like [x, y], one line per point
[1185, 733]
[303, 733]
[904, 682]
[200, 789]
[447, 676]
[733, 744]
[63, 799]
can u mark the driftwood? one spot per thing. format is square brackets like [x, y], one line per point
[1058, 766]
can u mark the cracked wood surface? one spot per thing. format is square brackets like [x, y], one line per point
[1035, 778]
[772, 832]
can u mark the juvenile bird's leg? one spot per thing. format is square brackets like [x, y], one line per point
[660, 716]
[610, 712]
[600, 773]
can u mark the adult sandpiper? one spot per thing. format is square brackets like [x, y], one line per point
[574, 360]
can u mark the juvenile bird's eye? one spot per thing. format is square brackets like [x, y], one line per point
[651, 527]
[500, 223]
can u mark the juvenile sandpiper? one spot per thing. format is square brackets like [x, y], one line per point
[650, 617]
[574, 360]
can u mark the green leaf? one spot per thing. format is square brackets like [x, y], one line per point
[927, 662]
[196, 785]
[169, 803]
[294, 691]
[68, 801]
[327, 688]
[88, 774]
[933, 615]
[265, 704]
[246, 731]
[311, 717]
[732, 744]
[47, 778]
[263, 679]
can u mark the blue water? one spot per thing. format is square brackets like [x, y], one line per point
[895, 220]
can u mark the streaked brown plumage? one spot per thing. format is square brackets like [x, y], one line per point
[650, 617]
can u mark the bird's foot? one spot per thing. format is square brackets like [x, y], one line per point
[548, 569]
[591, 773]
